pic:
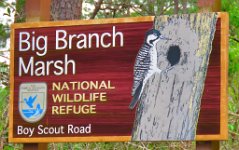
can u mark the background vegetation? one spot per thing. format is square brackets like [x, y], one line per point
[90, 9]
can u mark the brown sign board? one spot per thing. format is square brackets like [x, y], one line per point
[71, 81]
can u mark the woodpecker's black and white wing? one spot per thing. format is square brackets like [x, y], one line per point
[141, 68]
[145, 65]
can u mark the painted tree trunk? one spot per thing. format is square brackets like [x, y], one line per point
[170, 105]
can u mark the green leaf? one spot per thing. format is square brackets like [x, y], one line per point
[9, 11]
[231, 127]
[7, 147]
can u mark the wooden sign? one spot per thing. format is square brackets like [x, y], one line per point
[71, 81]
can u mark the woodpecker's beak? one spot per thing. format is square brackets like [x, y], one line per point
[164, 38]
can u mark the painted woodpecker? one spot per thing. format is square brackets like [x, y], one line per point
[145, 64]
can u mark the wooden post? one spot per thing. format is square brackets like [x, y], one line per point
[35, 146]
[36, 11]
[205, 6]
[209, 5]
[208, 145]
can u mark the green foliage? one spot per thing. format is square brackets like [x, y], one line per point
[233, 105]
[4, 28]
[4, 92]
[124, 146]
[20, 11]
[4, 74]
[232, 7]
[128, 8]
[233, 57]
[2, 4]
[4, 34]
[10, 146]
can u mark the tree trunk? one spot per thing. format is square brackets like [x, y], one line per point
[184, 6]
[176, 8]
[170, 105]
[66, 9]
[209, 5]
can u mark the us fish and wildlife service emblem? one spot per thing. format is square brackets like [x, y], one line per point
[33, 101]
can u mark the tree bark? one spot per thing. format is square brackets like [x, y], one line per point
[66, 9]
[170, 105]
[209, 5]
[184, 6]
[176, 8]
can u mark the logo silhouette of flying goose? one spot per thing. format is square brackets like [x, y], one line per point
[30, 101]
[145, 64]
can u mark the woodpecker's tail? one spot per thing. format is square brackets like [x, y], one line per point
[137, 95]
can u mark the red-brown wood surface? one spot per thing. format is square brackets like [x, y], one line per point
[113, 118]
[209, 117]
[96, 64]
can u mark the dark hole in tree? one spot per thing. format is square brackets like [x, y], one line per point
[173, 55]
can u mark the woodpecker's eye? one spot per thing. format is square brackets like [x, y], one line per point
[173, 55]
